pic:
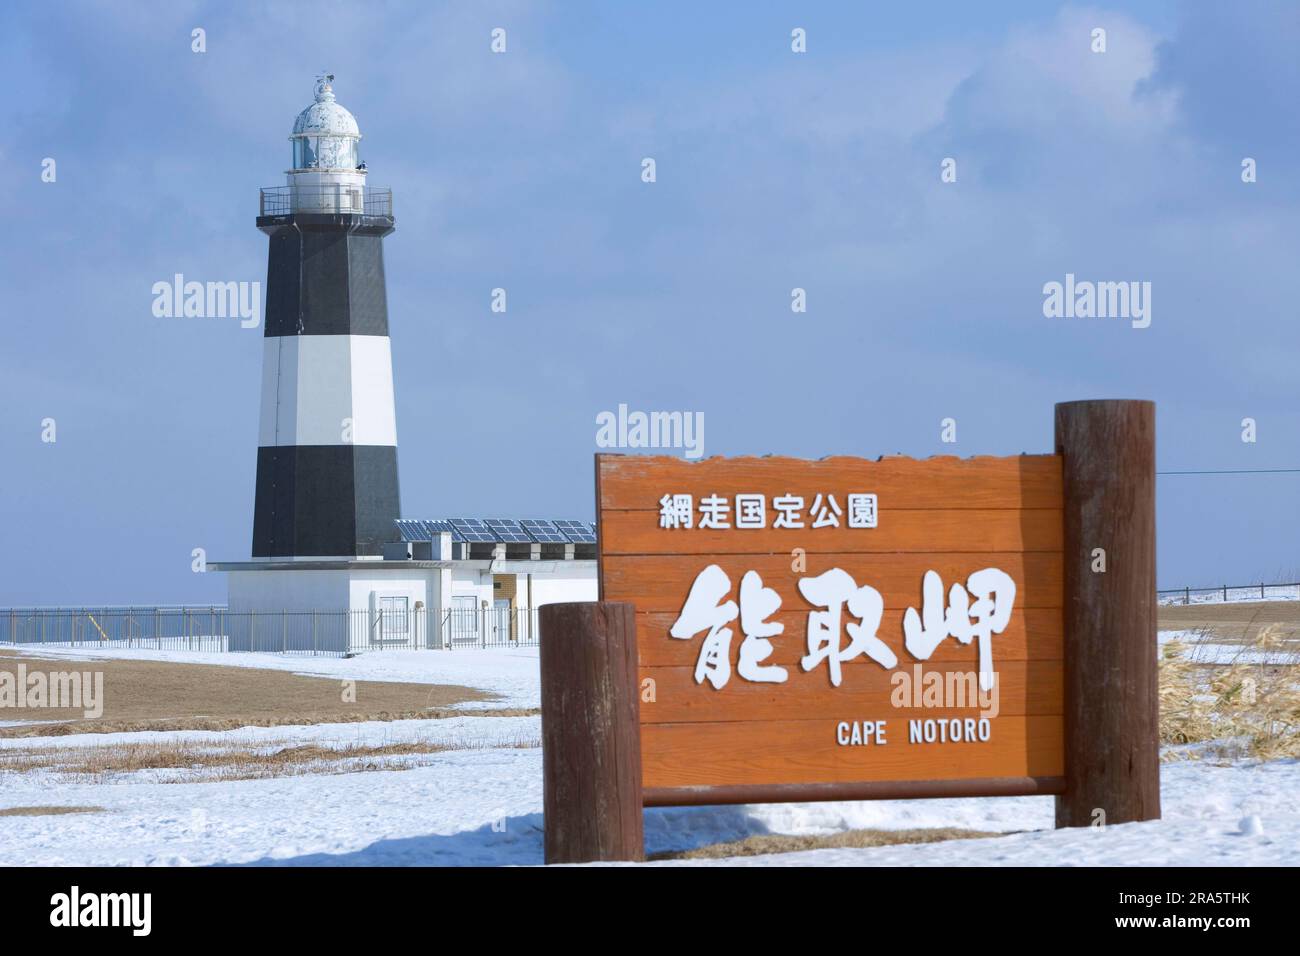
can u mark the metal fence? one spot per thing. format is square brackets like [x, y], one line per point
[331, 633]
[1227, 592]
[346, 632]
[179, 628]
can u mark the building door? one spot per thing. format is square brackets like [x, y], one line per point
[462, 623]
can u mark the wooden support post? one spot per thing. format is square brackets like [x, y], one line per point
[591, 735]
[1112, 710]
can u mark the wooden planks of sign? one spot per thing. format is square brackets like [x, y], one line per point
[852, 629]
[891, 722]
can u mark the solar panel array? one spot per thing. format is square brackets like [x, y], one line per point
[499, 530]
[412, 529]
[508, 531]
[543, 532]
[577, 531]
[473, 530]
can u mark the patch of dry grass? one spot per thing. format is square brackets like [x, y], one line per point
[166, 695]
[46, 811]
[188, 762]
[235, 723]
[849, 839]
[1237, 622]
[1244, 704]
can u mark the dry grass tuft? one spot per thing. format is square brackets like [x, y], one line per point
[849, 839]
[1243, 702]
[103, 726]
[46, 811]
[188, 762]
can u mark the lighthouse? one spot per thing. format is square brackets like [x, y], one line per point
[327, 442]
[335, 567]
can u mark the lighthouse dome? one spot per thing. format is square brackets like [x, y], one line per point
[325, 134]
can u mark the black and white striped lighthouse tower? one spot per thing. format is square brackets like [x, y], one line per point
[327, 448]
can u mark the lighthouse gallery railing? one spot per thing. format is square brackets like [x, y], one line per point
[341, 199]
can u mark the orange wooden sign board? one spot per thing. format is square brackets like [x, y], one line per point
[841, 628]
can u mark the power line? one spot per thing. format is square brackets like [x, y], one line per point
[1236, 471]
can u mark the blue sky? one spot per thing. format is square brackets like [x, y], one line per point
[775, 170]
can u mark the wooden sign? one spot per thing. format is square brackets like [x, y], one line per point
[776, 629]
[842, 628]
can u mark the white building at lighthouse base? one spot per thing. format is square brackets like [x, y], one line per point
[428, 590]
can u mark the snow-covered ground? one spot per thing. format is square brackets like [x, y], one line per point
[482, 805]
